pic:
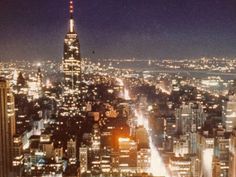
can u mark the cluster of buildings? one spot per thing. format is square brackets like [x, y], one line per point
[200, 150]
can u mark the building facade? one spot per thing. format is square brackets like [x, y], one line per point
[7, 128]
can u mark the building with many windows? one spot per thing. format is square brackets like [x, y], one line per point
[7, 128]
[71, 70]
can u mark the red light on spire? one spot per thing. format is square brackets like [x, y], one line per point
[72, 25]
[71, 7]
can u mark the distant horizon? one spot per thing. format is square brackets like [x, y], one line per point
[118, 58]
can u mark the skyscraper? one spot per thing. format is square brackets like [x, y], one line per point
[229, 113]
[83, 158]
[71, 69]
[7, 128]
[72, 59]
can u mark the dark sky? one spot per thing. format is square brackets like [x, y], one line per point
[35, 29]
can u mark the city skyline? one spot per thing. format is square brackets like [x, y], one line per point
[86, 116]
[121, 29]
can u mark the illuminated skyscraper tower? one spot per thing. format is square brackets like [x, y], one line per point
[71, 70]
[72, 59]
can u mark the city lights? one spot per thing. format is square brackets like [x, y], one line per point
[122, 97]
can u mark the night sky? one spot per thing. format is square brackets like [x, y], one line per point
[34, 29]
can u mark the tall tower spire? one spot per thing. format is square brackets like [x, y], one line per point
[71, 69]
[72, 22]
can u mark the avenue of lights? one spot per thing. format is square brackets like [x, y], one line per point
[157, 167]
[126, 94]
[207, 159]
